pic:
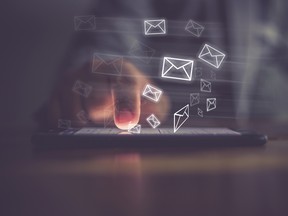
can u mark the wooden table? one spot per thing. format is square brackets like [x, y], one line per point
[249, 181]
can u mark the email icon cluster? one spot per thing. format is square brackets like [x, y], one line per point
[211, 56]
[180, 117]
[210, 104]
[153, 121]
[155, 27]
[152, 93]
[107, 64]
[194, 28]
[87, 22]
[82, 88]
[177, 69]
[142, 52]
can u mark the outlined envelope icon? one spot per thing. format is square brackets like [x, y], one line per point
[194, 99]
[64, 124]
[200, 112]
[211, 56]
[152, 93]
[155, 27]
[205, 86]
[135, 130]
[180, 117]
[153, 121]
[177, 69]
[194, 28]
[87, 22]
[210, 104]
[82, 88]
[83, 116]
[142, 52]
[107, 64]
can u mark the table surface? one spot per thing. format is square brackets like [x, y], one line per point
[238, 181]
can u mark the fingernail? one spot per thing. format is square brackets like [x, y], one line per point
[124, 116]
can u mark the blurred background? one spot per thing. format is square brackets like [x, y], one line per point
[39, 41]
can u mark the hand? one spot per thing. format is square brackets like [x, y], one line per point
[122, 93]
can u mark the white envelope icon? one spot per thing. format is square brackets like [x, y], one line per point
[199, 112]
[210, 104]
[155, 27]
[153, 121]
[135, 130]
[194, 28]
[107, 64]
[211, 56]
[180, 117]
[64, 124]
[142, 52]
[82, 116]
[178, 69]
[152, 93]
[194, 99]
[205, 86]
[84, 22]
[82, 88]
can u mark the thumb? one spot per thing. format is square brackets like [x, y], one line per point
[126, 97]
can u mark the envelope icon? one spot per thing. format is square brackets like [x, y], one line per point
[200, 112]
[180, 117]
[177, 69]
[152, 93]
[155, 27]
[205, 86]
[142, 52]
[153, 121]
[135, 130]
[64, 124]
[194, 99]
[210, 104]
[194, 28]
[211, 56]
[107, 64]
[84, 22]
[82, 88]
[82, 116]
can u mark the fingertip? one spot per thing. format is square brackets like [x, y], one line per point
[126, 119]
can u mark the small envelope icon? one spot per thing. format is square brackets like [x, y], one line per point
[84, 22]
[153, 121]
[142, 52]
[194, 99]
[178, 69]
[107, 64]
[82, 88]
[152, 93]
[205, 86]
[194, 28]
[83, 116]
[199, 112]
[210, 104]
[135, 130]
[180, 117]
[64, 124]
[211, 56]
[155, 27]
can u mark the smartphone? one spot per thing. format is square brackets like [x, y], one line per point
[89, 137]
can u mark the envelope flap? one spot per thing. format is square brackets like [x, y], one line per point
[154, 23]
[196, 25]
[108, 59]
[214, 52]
[85, 19]
[178, 63]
